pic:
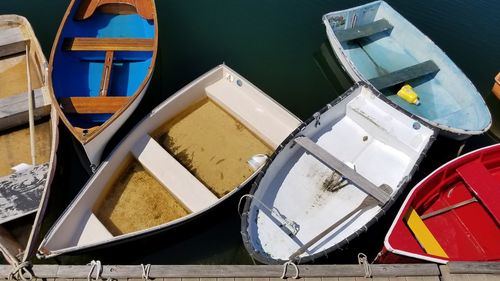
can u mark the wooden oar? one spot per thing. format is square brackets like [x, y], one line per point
[31, 107]
[368, 201]
[449, 208]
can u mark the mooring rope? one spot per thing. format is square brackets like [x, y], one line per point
[145, 271]
[97, 265]
[19, 270]
[363, 261]
[285, 267]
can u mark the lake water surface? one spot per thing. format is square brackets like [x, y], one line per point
[281, 47]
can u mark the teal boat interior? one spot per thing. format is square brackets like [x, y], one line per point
[79, 71]
[389, 52]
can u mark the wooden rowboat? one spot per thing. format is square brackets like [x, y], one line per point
[192, 152]
[375, 43]
[451, 215]
[332, 178]
[496, 86]
[100, 66]
[27, 149]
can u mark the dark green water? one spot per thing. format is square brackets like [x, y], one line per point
[281, 46]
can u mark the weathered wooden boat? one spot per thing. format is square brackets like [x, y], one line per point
[187, 156]
[375, 43]
[24, 98]
[332, 178]
[100, 66]
[451, 215]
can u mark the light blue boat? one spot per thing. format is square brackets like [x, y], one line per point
[375, 43]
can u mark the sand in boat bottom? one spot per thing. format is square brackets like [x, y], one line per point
[13, 79]
[15, 147]
[212, 145]
[136, 201]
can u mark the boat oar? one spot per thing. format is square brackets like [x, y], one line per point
[449, 208]
[368, 201]
[31, 106]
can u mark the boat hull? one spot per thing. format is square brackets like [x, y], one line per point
[101, 71]
[300, 209]
[401, 45]
[465, 230]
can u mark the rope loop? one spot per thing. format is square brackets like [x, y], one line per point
[145, 271]
[285, 267]
[363, 261]
[21, 271]
[97, 265]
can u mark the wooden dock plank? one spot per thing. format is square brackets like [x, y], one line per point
[474, 267]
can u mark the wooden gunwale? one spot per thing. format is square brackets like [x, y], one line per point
[96, 131]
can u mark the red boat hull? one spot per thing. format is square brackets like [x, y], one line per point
[458, 208]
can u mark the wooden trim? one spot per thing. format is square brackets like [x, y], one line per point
[106, 73]
[92, 105]
[88, 7]
[230, 271]
[75, 130]
[108, 44]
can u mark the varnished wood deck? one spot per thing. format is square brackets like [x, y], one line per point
[400, 272]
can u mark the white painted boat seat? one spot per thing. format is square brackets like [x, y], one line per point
[257, 113]
[404, 75]
[93, 231]
[12, 41]
[483, 184]
[362, 31]
[176, 178]
[379, 193]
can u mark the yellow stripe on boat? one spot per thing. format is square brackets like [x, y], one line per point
[423, 235]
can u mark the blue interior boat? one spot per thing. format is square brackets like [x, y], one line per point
[102, 61]
[375, 43]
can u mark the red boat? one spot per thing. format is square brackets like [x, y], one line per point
[451, 215]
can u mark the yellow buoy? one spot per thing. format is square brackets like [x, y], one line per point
[408, 94]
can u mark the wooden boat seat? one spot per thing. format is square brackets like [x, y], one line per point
[141, 7]
[12, 41]
[110, 45]
[172, 175]
[404, 75]
[484, 185]
[363, 30]
[92, 105]
[379, 193]
[423, 235]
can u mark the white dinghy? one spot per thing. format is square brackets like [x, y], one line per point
[332, 178]
[193, 151]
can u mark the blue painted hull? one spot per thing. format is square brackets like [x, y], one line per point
[448, 99]
[78, 74]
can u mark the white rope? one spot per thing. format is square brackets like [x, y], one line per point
[145, 271]
[285, 267]
[363, 261]
[19, 271]
[97, 265]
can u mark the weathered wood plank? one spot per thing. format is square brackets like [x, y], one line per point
[329, 279]
[256, 272]
[108, 44]
[12, 41]
[363, 30]
[474, 267]
[21, 192]
[404, 75]
[329, 160]
[14, 109]
[422, 278]
[92, 105]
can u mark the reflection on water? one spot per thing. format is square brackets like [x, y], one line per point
[279, 46]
